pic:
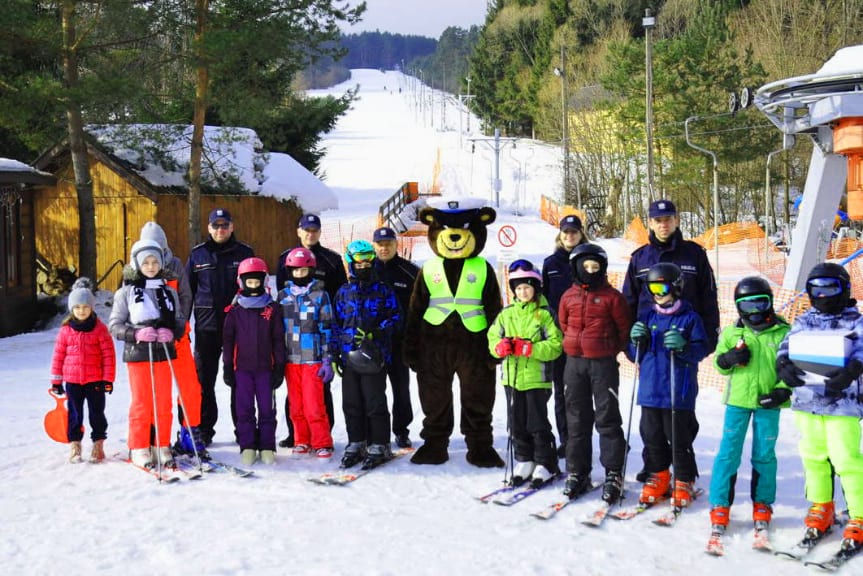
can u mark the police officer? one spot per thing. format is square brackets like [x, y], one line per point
[666, 244]
[331, 271]
[400, 274]
[212, 273]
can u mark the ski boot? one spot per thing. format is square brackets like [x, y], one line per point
[522, 472]
[612, 487]
[354, 454]
[376, 455]
[576, 485]
[656, 487]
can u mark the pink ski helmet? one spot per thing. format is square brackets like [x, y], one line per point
[531, 277]
[252, 267]
[300, 258]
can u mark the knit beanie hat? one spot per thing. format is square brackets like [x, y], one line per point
[143, 248]
[81, 294]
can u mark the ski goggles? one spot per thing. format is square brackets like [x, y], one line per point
[521, 264]
[756, 304]
[824, 287]
[659, 288]
[363, 256]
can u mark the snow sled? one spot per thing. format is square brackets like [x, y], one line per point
[56, 420]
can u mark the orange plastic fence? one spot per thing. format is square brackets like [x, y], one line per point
[550, 211]
[730, 234]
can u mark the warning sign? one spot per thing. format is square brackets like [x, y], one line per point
[507, 236]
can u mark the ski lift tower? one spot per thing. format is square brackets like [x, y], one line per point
[827, 106]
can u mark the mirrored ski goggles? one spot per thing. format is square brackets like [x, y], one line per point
[521, 264]
[659, 288]
[754, 304]
[363, 256]
[824, 287]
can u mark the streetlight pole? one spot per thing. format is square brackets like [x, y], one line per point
[715, 191]
[564, 119]
[649, 22]
[496, 144]
[467, 102]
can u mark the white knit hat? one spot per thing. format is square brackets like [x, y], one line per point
[143, 248]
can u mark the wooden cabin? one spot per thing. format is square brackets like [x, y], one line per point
[125, 201]
[18, 184]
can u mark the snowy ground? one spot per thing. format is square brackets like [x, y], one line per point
[60, 518]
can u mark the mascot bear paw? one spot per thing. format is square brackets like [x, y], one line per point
[484, 458]
[430, 453]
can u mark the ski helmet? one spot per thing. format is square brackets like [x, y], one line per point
[666, 273]
[300, 258]
[252, 268]
[753, 298]
[531, 277]
[829, 287]
[366, 359]
[588, 251]
[358, 250]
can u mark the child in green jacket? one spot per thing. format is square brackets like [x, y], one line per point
[525, 335]
[746, 352]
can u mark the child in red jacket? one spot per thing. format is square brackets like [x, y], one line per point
[84, 358]
[595, 321]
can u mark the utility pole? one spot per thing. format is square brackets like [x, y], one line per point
[496, 144]
[564, 120]
[649, 23]
[467, 102]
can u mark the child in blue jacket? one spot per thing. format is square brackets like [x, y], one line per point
[670, 341]
[366, 315]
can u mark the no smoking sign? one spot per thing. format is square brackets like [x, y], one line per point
[507, 236]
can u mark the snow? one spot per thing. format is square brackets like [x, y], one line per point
[160, 154]
[401, 519]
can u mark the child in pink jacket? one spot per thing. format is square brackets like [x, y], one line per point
[84, 358]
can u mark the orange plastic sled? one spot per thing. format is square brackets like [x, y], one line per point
[57, 420]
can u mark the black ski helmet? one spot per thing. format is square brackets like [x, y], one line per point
[366, 359]
[670, 274]
[588, 251]
[755, 286]
[829, 304]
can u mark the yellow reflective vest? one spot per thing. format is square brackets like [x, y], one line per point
[467, 301]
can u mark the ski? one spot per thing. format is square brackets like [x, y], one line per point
[598, 516]
[802, 548]
[761, 537]
[343, 477]
[715, 546]
[549, 511]
[230, 468]
[847, 551]
[670, 518]
[486, 498]
[633, 511]
[511, 498]
[166, 476]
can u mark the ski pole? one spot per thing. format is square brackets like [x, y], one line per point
[185, 421]
[510, 449]
[674, 505]
[635, 382]
[155, 418]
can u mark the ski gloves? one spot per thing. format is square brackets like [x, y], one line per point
[361, 335]
[58, 389]
[843, 377]
[514, 346]
[775, 399]
[150, 334]
[326, 372]
[788, 372]
[640, 336]
[277, 376]
[101, 386]
[229, 377]
[734, 357]
[674, 341]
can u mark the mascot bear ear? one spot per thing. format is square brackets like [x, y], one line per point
[487, 215]
[428, 215]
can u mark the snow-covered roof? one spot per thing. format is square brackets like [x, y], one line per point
[233, 159]
[22, 172]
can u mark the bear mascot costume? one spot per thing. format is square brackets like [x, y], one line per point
[454, 301]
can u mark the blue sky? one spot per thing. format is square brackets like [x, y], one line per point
[420, 17]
